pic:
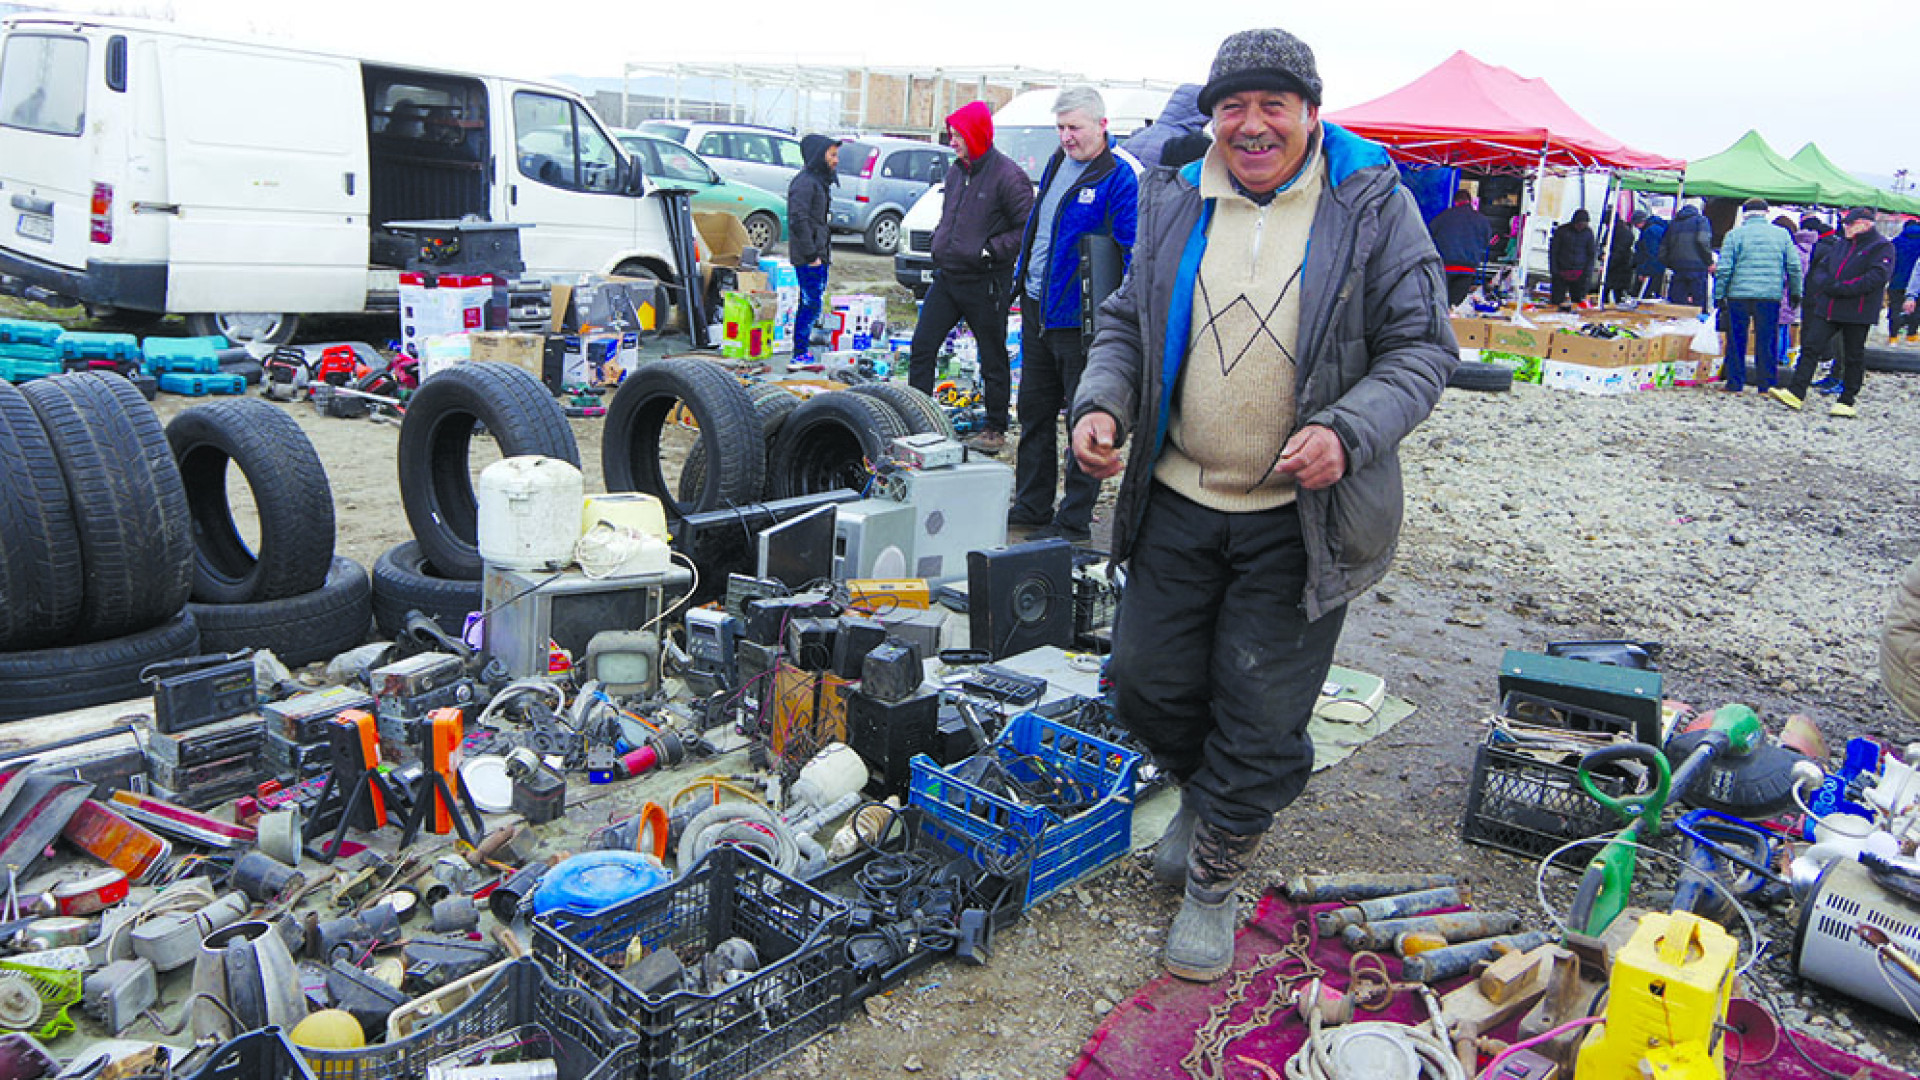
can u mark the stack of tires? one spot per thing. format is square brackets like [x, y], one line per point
[292, 595]
[767, 443]
[437, 573]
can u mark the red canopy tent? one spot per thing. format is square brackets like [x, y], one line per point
[1472, 115]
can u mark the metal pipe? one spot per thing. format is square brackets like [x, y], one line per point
[1389, 907]
[1347, 888]
[1455, 927]
[1456, 960]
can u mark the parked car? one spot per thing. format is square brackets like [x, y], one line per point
[1023, 130]
[765, 157]
[880, 178]
[668, 164]
[144, 184]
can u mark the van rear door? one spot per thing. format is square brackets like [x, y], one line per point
[267, 170]
[45, 160]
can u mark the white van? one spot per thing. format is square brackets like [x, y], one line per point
[1023, 129]
[150, 168]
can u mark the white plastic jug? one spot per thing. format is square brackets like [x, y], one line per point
[529, 513]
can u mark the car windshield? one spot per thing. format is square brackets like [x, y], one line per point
[668, 160]
[1029, 147]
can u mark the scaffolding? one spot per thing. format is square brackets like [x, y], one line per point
[850, 99]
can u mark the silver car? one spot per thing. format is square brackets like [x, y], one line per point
[880, 177]
[765, 157]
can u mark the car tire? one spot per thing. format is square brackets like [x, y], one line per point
[921, 414]
[290, 490]
[1892, 361]
[404, 581]
[131, 523]
[41, 583]
[882, 235]
[763, 230]
[315, 625]
[771, 404]
[830, 442]
[729, 430]
[43, 681]
[436, 486]
[271, 328]
[1483, 377]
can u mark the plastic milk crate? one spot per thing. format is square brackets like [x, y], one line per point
[803, 986]
[1528, 806]
[982, 825]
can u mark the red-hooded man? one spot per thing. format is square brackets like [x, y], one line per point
[975, 246]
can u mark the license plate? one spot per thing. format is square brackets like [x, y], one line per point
[36, 227]
[926, 276]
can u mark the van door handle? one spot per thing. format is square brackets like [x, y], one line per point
[33, 205]
[513, 195]
[156, 208]
[349, 179]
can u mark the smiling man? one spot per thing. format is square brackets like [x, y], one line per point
[1281, 328]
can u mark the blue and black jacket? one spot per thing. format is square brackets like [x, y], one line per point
[1105, 201]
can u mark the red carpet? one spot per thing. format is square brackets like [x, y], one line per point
[1148, 1035]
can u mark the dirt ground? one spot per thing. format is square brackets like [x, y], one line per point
[1435, 631]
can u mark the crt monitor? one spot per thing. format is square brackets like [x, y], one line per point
[799, 550]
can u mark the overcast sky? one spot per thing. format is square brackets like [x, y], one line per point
[1681, 79]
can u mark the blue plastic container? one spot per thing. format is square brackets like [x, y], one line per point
[29, 331]
[87, 345]
[196, 355]
[191, 385]
[19, 371]
[593, 882]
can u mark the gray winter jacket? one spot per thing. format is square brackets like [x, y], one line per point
[1375, 350]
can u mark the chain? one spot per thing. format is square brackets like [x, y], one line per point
[1207, 1059]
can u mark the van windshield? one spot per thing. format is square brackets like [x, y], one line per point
[43, 84]
[1029, 147]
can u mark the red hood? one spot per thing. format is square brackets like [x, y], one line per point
[974, 122]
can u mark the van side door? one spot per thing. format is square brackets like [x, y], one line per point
[267, 179]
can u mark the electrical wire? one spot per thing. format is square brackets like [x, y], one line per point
[1545, 1036]
[1780, 1021]
[1756, 943]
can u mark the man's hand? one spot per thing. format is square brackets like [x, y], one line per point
[1314, 457]
[815, 262]
[1093, 439]
[1907, 308]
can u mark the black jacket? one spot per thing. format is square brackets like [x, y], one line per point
[1570, 254]
[1620, 257]
[1848, 278]
[1688, 246]
[808, 200]
[985, 209]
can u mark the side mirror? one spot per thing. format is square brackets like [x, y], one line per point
[634, 180]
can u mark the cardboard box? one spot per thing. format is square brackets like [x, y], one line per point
[752, 281]
[432, 305]
[1684, 372]
[1662, 310]
[1598, 352]
[1582, 379]
[525, 351]
[1520, 340]
[600, 358]
[1468, 333]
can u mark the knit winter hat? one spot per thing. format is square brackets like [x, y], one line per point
[1861, 213]
[1261, 60]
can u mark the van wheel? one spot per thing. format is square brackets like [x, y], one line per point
[883, 234]
[265, 328]
[763, 230]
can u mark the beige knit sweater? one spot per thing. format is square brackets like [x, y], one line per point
[1233, 410]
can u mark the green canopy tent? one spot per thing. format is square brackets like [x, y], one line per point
[1747, 168]
[1845, 189]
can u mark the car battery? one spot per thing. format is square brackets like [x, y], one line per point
[539, 796]
[303, 718]
[216, 742]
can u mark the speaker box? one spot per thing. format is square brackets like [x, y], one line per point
[892, 670]
[857, 637]
[1020, 597]
[886, 735]
[768, 617]
[810, 643]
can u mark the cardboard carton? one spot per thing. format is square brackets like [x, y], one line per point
[525, 351]
[1598, 352]
[1520, 340]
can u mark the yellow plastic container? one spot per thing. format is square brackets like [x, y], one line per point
[1668, 987]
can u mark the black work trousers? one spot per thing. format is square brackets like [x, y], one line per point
[1845, 342]
[1215, 666]
[1050, 365]
[982, 302]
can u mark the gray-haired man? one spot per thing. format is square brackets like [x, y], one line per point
[1265, 384]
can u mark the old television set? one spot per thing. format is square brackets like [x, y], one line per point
[527, 609]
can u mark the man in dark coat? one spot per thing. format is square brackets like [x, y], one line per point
[810, 243]
[1619, 283]
[1687, 252]
[1649, 273]
[982, 217]
[1461, 235]
[1260, 386]
[1845, 285]
[1570, 259]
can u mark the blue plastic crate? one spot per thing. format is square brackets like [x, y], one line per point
[982, 825]
[87, 345]
[197, 355]
[21, 350]
[202, 385]
[19, 371]
[803, 986]
[29, 331]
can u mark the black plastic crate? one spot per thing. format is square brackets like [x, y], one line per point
[802, 988]
[264, 1054]
[1522, 804]
[571, 1025]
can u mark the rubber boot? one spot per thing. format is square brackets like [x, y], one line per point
[1200, 941]
[1170, 854]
